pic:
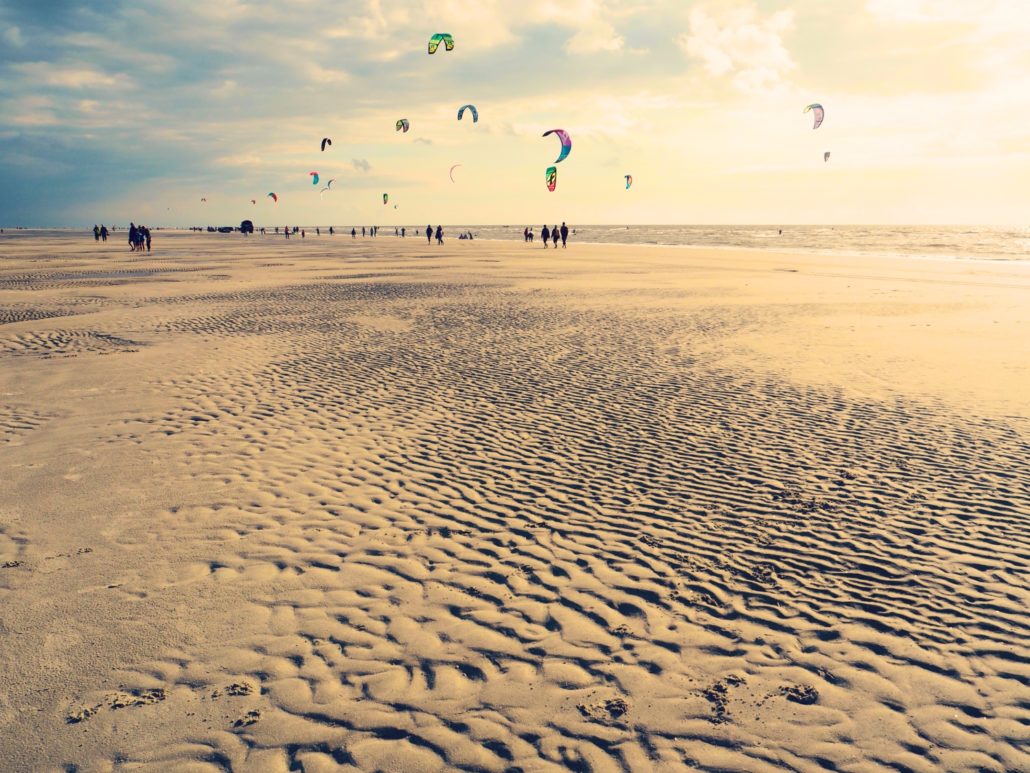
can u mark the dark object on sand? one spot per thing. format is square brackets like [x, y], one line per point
[246, 227]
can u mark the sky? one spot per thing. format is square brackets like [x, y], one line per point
[113, 111]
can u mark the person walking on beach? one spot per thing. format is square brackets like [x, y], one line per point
[301, 233]
[103, 233]
[564, 234]
[317, 232]
[96, 232]
[353, 233]
[132, 237]
[439, 234]
[429, 234]
[286, 230]
[402, 232]
[545, 234]
[330, 230]
[554, 236]
[146, 235]
[362, 232]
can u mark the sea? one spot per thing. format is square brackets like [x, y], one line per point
[993, 243]
[946, 242]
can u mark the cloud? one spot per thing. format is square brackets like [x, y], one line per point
[927, 11]
[361, 164]
[740, 43]
[71, 77]
[13, 36]
[319, 74]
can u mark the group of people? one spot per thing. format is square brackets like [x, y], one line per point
[549, 234]
[139, 238]
[99, 232]
[429, 234]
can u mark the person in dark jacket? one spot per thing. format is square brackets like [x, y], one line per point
[429, 234]
[545, 234]
[564, 235]
[439, 234]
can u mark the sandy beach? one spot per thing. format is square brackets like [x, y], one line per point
[374, 505]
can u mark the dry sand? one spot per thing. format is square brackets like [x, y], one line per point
[352, 505]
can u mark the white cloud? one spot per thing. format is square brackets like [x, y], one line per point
[13, 36]
[319, 74]
[373, 22]
[486, 24]
[928, 11]
[740, 43]
[69, 77]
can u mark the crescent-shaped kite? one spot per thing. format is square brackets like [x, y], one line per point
[386, 198]
[826, 156]
[253, 201]
[475, 113]
[437, 39]
[818, 112]
[451, 173]
[403, 125]
[273, 197]
[314, 178]
[566, 143]
[552, 178]
[629, 181]
[326, 141]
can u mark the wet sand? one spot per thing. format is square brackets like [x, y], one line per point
[338, 504]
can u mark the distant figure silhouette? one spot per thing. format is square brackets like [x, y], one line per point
[439, 234]
[429, 234]
[564, 235]
[545, 234]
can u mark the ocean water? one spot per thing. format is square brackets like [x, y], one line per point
[942, 242]
[956, 242]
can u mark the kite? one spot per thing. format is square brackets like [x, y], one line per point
[826, 156]
[566, 143]
[204, 200]
[253, 201]
[326, 141]
[820, 114]
[437, 39]
[314, 178]
[323, 190]
[552, 178]
[475, 113]
[451, 173]
[403, 124]
[273, 197]
[629, 181]
[329, 184]
[386, 198]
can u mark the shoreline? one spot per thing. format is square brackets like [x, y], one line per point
[790, 249]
